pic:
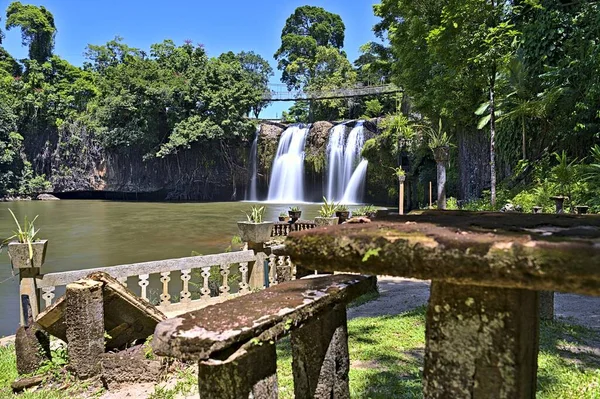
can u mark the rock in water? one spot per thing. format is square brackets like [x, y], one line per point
[47, 197]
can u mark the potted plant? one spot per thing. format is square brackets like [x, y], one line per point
[342, 213]
[537, 209]
[582, 209]
[563, 176]
[255, 229]
[26, 251]
[294, 213]
[327, 214]
[283, 217]
[370, 211]
[400, 174]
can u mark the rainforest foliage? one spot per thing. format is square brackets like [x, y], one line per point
[525, 74]
[56, 118]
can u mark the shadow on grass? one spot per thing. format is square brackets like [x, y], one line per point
[386, 354]
[568, 361]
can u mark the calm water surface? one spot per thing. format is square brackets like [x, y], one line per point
[87, 234]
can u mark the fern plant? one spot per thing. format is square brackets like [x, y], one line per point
[328, 208]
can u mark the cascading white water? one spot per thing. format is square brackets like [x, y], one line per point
[356, 186]
[251, 195]
[346, 170]
[287, 176]
[354, 146]
[335, 162]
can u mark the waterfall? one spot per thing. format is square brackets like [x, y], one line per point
[356, 186]
[346, 170]
[251, 194]
[335, 161]
[287, 176]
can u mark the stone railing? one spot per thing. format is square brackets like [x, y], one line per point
[178, 284]
[282, 229]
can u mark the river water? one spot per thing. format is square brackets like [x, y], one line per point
[87, 234]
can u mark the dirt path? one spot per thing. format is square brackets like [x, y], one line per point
[400, 295]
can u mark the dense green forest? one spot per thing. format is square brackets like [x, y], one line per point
[515, 85]
[57, 120]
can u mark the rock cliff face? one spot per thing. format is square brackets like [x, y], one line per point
[78, 167]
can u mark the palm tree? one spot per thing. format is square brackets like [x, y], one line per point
[522, 102]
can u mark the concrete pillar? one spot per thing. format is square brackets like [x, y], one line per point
[253, 374]
[28, 292]
[547, 305]
[481, 342]
[320, 360]
[256, 270]
[84, 317]
[32, 344]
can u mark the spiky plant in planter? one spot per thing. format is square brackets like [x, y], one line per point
[255, 229]
[327, 214]
[342, 213]
[294, 212]
[24, 248]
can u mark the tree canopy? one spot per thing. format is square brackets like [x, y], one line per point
[37, 28]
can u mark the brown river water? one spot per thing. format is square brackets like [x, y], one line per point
[86, 234]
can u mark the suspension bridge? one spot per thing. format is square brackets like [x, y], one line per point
[280, 92]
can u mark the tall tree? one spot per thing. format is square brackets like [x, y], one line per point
[258, 71]
[307, 29]
[37, 28]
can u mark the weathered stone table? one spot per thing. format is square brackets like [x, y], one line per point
[486, 271]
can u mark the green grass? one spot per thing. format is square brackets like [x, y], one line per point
[386, 355]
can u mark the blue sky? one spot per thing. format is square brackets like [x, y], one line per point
[225, 25]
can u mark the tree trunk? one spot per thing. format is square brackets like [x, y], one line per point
[493, 136]
[523, 127]
[441, 185]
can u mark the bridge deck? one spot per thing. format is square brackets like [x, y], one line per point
[279, 92]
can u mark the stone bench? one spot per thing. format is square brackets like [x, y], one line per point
[487, 271]
[234, 342]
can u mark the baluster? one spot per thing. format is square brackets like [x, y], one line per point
[224, 289]
[122, 280]
[244, 280]
[292, 267]
[186, 296]
[205, 291]
[272, 266]
[143, 283]
[165, 298]
[48, 295]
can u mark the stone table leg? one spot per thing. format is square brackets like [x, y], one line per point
[482, 342]
[252, 374]
[320, 360]
[547, 305]
[84, 316]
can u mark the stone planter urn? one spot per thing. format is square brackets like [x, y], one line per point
[19, 254]
[255, 232]
[441, 154]
[559, 201]
[537, 209]
[284, 218]
[401, 179]
[342, 215]
[582, 209]
[295, 215]
[330, 221]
